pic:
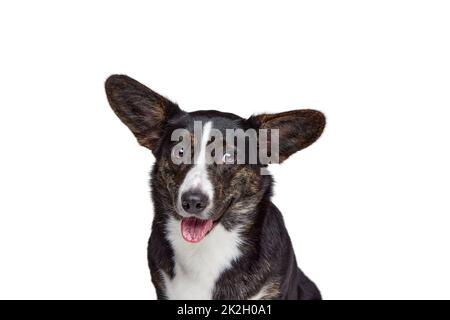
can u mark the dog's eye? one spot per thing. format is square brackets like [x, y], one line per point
[227, 158]
[179, 153]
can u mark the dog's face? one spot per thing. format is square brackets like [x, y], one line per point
[210, 165]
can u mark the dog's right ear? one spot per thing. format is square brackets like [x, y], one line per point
[144, 111]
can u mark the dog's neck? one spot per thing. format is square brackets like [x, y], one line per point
[197, 266]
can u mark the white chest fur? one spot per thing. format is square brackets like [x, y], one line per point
[199, 265]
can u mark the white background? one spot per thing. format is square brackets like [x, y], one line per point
[367, 206]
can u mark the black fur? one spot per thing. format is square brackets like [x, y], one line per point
[241, 192]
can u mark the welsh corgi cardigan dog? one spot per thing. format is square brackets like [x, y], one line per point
[215, 233]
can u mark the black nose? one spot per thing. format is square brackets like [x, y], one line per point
[194, 201]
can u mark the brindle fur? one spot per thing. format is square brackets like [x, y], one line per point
[267, 259]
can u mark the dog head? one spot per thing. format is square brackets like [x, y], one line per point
[210, 165]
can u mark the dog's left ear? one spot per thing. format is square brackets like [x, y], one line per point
[297, 129]
[143, 111]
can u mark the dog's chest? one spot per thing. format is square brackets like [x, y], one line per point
[198, 266]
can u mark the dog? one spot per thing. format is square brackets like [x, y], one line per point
[215, 233]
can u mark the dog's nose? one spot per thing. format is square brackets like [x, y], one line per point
[194, 201]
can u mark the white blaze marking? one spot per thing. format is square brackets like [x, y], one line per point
[197, 177]
[201, 158]
[197, 267]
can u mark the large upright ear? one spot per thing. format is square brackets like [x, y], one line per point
[144, 111]
[297, 129]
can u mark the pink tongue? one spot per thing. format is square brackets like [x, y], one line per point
[194, 230]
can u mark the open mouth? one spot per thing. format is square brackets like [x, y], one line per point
[195, 230]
